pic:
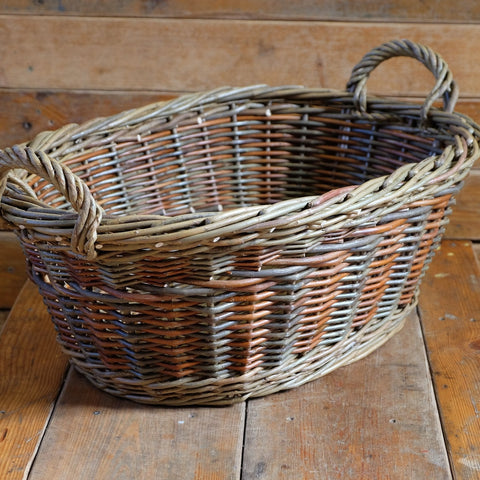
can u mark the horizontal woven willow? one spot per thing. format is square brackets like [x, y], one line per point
[240, 241]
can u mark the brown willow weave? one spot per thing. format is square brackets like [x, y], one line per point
[241, 241]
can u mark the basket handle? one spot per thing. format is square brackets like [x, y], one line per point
[68, 184]
[445, 85]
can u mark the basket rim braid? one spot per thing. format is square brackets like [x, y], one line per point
[237, 242]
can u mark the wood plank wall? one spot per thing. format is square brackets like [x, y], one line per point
[69, 61]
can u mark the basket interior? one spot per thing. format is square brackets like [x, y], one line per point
[237, 154]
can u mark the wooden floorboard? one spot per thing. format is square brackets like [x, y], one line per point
[450, 314]
[374, 419]
[32, 370]
[93, 435]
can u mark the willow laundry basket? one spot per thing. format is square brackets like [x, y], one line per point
[241, 241]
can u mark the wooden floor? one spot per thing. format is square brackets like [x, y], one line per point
[410, 410]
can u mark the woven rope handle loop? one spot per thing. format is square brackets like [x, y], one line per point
[444, 86]
[72, 188]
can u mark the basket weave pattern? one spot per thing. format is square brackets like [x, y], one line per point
[242, 241]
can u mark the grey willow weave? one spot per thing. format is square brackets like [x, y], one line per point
[241, 241]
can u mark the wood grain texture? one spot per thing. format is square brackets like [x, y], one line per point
[12, 269]
[95, 435]
[465, 219]
[32, 369]
[373, 419]
[178, 55]
[400, 10]
[449, 310]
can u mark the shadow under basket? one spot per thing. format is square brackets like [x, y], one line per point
[242, 241]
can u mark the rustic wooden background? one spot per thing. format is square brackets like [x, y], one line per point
[68, 61]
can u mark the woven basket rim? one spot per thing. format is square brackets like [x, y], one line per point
[211, 226]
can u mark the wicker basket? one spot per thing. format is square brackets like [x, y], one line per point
[242, 241]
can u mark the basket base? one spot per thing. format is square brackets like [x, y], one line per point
[258, 382]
